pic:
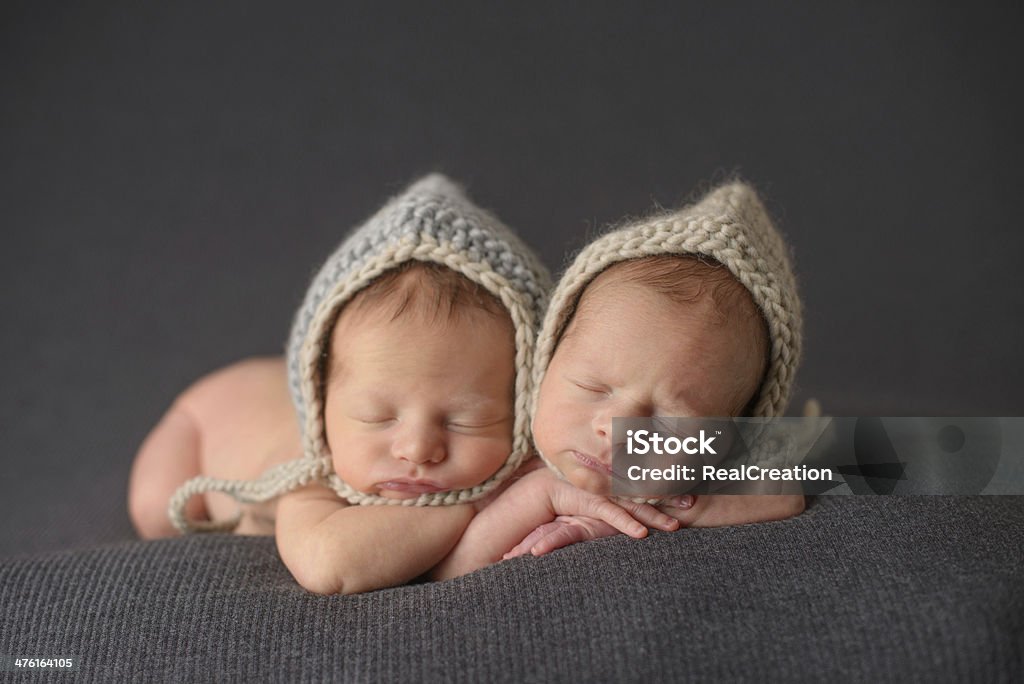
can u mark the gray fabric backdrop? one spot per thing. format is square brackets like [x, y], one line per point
[171, 174]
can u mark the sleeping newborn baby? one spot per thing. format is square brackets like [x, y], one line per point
[420, 342]
[654, 336]
[689, 314]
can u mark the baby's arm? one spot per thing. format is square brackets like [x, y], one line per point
[334, 548]
[565, 530]
[535, 499]
[717, 510]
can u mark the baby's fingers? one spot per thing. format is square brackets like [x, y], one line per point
[651, 516]
[528, 542]
[618, 517]
[519, 549]
[568, 500]
[562, 536]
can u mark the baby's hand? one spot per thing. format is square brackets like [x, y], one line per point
[627, 517]
[578, 515]
[562, 531]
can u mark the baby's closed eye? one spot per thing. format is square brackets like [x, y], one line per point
[379, 420]
[591, 386]
[474, 423]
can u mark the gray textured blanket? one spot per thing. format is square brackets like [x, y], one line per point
[859, 588]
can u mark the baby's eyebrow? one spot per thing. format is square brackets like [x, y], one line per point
[472, 400]
[455, 403]
[683, 400]
[372, 397]
[696, 404]
[337, 371]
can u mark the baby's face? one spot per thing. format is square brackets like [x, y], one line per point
[416, 406]
[632, 352]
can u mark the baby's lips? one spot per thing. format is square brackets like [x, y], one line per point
[412, 486]
[683, 501]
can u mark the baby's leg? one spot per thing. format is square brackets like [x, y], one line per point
[167, 458]
[232, 424]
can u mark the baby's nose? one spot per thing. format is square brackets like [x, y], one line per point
[420, 446]
[602, 421]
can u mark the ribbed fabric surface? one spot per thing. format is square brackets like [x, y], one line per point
[856, 589]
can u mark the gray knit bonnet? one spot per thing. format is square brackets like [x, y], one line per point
[431, 221]
[729, 225]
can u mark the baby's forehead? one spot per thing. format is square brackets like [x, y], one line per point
[413, 337]
[708, 316]
[681, 277]
[689, 287]
[379, 335]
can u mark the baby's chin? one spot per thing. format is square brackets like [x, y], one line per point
[395, 495]
[585, 478]
[407, 494]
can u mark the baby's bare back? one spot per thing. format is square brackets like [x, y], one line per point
[246, 424]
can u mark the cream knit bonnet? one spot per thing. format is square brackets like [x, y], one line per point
[730, 225]
[431, 221]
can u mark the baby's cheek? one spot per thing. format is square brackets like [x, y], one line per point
[542, 429]
[482, 457]
[556, 424]
[500, 450]
[331, 421]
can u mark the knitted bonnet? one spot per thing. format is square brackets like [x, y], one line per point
[730, 225]
[431, 221]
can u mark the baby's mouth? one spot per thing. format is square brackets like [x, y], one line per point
[592, 463]
[410, 486]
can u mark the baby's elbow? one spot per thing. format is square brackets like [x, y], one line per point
[317, 582]
[312, 572]
[327, 577]
[311, 576]
[334, 581]
[789, 506]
